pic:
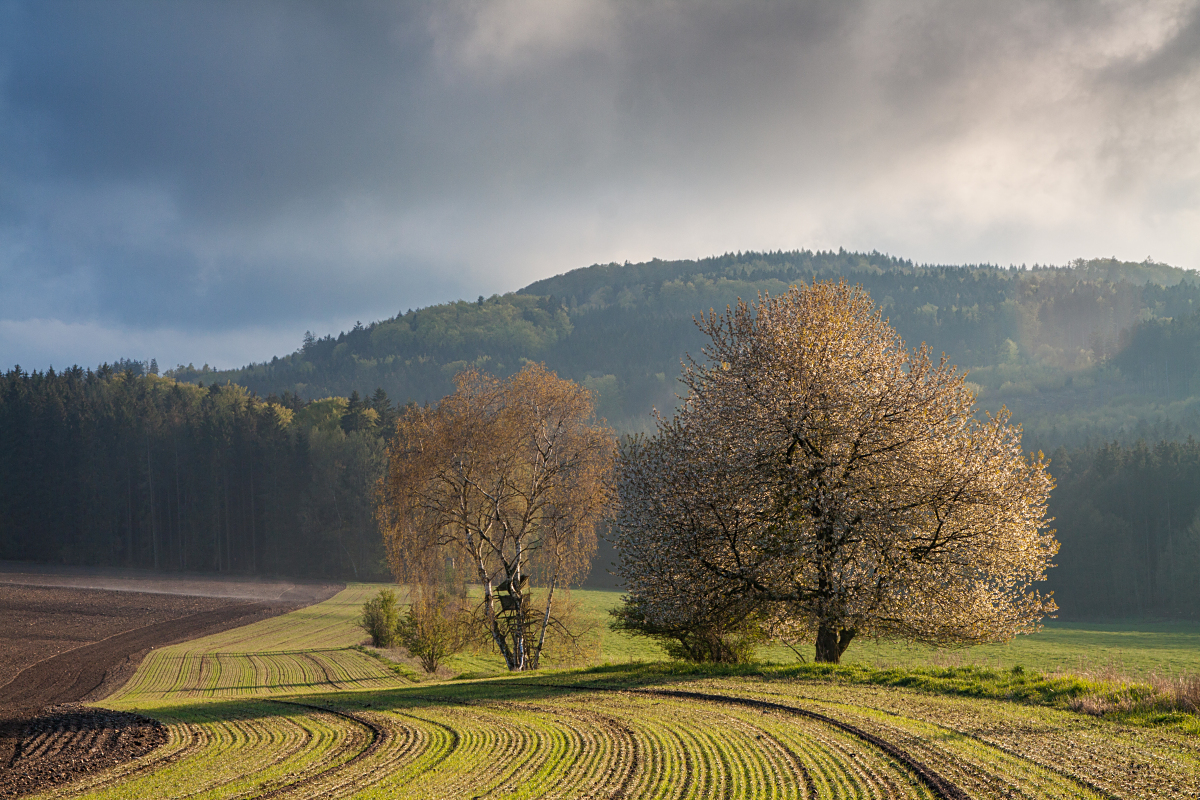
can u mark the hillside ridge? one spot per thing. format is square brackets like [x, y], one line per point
[1038, 339]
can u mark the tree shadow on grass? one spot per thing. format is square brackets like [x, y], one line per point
[519, 687]
[961, 681]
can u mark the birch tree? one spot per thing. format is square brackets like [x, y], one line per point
[831, 484]
[507, 480]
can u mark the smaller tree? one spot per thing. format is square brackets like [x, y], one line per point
[707, 633]
[380, 617]
[436, 625]
[507, 480]
[696, 614]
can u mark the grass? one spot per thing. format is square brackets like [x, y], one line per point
[1134, 649]
[1128, 650]
[235, 729]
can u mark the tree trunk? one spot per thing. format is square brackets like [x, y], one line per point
[537, 654]
[179, 512]
[521, 646]
[489, 604]
[228, 524]
[489, 607]
[254, 528]
[129, 504]
[831, 643]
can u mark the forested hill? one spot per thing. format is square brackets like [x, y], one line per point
[119, 466]
[1092, 351]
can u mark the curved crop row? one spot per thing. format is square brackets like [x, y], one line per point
[170, 675]
[366, 733]
[525, 740]
[992, 747]
[240, 752]
[620, 745]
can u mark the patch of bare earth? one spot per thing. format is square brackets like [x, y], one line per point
[68, 741]
[60, 645]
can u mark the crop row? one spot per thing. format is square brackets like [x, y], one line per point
[167, 675]
[235, 750]
[568, 744]
[329, 625]
[1031, 747]
[308, 650]
[578, 736]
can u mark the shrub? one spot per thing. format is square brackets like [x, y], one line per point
[436, 625]
[380, 617]
[710, 633]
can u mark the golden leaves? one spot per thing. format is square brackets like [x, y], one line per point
[510, 477]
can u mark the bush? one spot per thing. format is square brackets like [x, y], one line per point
[380, 618]
[712, 634]
[711, 646]
[435, 626]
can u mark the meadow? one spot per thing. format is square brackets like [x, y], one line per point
[1129, 649]
[290, 707]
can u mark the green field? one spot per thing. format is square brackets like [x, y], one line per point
[288, 707]
[310, 650]
[1133, 649]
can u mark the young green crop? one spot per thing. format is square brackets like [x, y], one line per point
[289, 707]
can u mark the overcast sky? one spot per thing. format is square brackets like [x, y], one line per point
[205, 181]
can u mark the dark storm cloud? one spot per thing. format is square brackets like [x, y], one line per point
[234, 107]
[175, 172]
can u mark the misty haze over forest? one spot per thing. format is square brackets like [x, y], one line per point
[1080, 353]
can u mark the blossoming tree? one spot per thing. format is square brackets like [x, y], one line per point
[821, 482]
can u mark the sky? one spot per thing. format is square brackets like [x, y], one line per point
[205, 181]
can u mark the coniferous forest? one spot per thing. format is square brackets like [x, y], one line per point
[116, 468]
[271, 468]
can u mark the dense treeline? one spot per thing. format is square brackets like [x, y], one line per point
[1128, 520]
[117, 468]
[1046, 341]
[1164, 356]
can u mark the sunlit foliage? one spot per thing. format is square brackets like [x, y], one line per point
[826, 483]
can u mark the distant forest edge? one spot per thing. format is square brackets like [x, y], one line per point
[270, 469]
[117, 469]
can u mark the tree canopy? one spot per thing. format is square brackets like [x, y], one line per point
[119, 466]
[827, 483]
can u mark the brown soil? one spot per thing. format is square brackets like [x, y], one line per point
[70, 740]
[62, 645]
